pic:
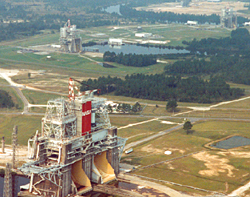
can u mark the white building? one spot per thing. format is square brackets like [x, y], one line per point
[115, 41]
[192, 23]
[247, 24]
[143, 35]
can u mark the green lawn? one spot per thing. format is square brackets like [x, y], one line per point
[27, 126]
[188, 170]
[35, 97]
[221, 113]
[141, 131]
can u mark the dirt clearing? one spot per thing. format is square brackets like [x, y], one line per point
[207, 8]
[215, 164]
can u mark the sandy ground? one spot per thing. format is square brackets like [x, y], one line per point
[21, 155]
[236, 154]
[94, 54]
[215, 164]
[204, 7]
[150, 149]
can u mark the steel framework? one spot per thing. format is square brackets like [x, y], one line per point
[60, 120]
[74, 130]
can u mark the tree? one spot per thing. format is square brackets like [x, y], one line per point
[171, 105]
[136, 107]
[110, 109]
[187, 126]
[5, 100]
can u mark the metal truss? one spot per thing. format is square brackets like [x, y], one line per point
[60, 120]
[102, 117]
[121, 143]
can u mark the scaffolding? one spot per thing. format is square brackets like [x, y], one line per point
[70, 39]
[228, 18]
[77, 146]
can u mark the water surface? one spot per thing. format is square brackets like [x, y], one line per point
[127, 48]
[232, 142]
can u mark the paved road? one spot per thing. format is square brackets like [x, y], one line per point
[25, 101]
[161, 133]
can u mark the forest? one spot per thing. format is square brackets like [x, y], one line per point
[161, 87]
[130, 59]
[5, 100]
[84, 14]
[167, 17]
[226, 57]
[238, 42]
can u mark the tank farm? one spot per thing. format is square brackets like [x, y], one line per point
[77, 146]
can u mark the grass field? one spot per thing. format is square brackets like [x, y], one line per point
[84, 67]
[220, 113]
[175, 33]
[161, 111]
[152, 103]
[41, 98]
[189, 170]
[27, 126]
[230, 167]
[141, 131]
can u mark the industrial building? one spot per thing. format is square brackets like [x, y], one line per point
[77, 146]
[115, 41]
[70, 39]
[143, 35]
[192, 23]
[228, 18]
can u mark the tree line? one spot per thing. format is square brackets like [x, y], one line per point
[161, 87]
[130, 59]
[239, 41]
[163, 17]
[226, 57]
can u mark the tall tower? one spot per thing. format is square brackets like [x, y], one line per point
[228, 18]
[77, 146]
[7, 192]
[70, 39]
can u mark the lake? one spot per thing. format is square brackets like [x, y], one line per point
[127, 48]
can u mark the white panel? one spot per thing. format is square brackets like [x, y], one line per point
[99, 135]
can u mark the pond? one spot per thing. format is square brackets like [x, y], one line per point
[127, 48]
[232, 142]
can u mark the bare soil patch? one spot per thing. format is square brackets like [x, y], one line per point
[150, 149]
[236, 154]
[204, 7]
[215, 164]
